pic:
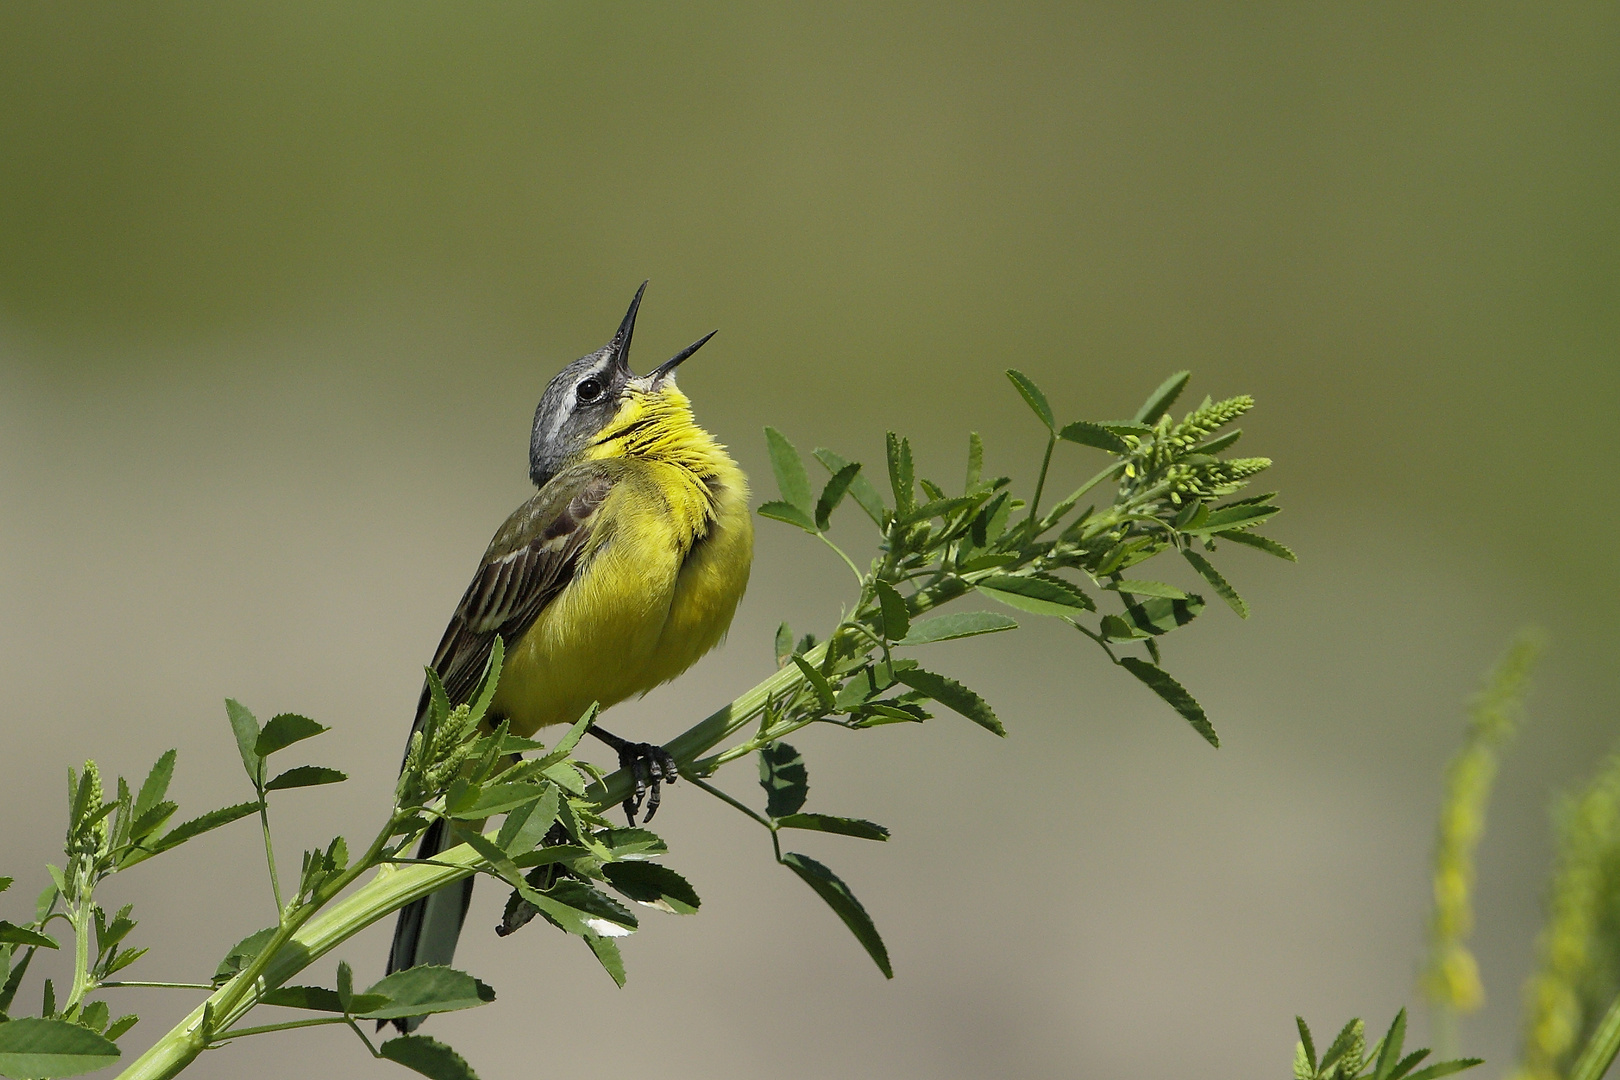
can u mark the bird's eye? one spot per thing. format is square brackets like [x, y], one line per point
[589, 391]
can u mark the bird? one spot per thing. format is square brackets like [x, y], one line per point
[623, 569]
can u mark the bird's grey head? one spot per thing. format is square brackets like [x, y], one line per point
[586, 395]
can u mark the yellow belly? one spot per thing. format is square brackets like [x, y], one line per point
[648, 600]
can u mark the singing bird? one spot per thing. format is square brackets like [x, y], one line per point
[623, 569]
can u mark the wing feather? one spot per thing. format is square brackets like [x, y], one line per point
[532, 557]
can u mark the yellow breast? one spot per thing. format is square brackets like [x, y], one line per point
[657, 585]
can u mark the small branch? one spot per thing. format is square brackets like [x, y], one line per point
[1040, 483]
[238, 1033]
[729, 801]
[270, 852]
[860, 579]
[156, 985]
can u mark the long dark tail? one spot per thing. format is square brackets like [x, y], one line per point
[427, 929]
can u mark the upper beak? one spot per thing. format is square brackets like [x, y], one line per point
[664, 370]
[620, 345]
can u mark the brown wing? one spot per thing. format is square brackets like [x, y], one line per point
[531, 559]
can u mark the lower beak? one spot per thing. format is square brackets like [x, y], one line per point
[667, 368]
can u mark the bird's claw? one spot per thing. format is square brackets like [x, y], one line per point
[650, 766]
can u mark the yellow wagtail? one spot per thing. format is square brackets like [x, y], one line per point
[623, 569]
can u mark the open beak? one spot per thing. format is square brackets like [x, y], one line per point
[667, 368]
[620, 345]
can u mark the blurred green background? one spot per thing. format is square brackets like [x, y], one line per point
[280, 285]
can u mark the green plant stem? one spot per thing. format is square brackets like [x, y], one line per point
[156, 985]
[270, 853]
[1600, 1050]
[859, 579]
[226, 1036]
[1040, 482]
[81, 952]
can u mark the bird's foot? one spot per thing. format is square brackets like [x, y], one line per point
[650, 767]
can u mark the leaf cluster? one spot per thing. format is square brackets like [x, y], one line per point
[1349, 1057]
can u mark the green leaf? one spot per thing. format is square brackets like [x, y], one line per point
[860, 488]
[783, 645]
[1215, 446]
[1232, 517]
[153, 819]
[199, 825]
[975, 463]
[959, 624]
[428, 988]
[896, 618]
[632, 843]
[1254, 540]
[838, 897]
[1038, 594]
[1389, 1049]
[345, 985]
[305, 776]
[35, 1047]
[1148, 588]
[12, 934]
[1306, 1041]
[1032, 397]
[818, 682]
[528, 824]
[494, 799]
[781, 511]
[5, 883]
[783, 775]
[284, 730]
[243, 953]
[320, 999]
[428, 1056]
[487, 683]
[901, 475]
[843, 826]
[1161, 399]
[1217, 582]
[1088, 434]
[833, 493]
[247, 734]
[653, 884]
[1445, 1068]
[607, 954]
[94, 1016]
[953, 695]
[791, 479]
[156, 785]
[1159, 615]
[1175, 695]
[602, 913]
[120, 1027]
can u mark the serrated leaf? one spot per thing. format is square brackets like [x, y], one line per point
[792, 515]
[120, 1027]
[199, 825]
[975, 462]
[1088, 434]
[528, 824]
[306, 776]
[958, 624]
[896, 618]
[837, 896]
[1222, 588]
[12, 934]
[1032, 397]
[953, 695]
[34, 1047]
[152, 819]
[1038, 594]
[246, 729]
[156, 785]
[5, 883]
[428, 1056]
[818, 682]
[1174, 694]
[860, 488]
[1232, 518]
[8, 990]
[283, 730]
[1389, 1049]
[1444, 1068]
[345, 986]
[632, 843]
[653, 884]
[427, 988]
[320, 999]
[1254, 540]
[783, 775]
[94, 1016]
[843, 826]
[242, 954]
[833, 493]
[607, 954]
[878, 713]
[1159, 402]
[1138, 587]
[791, 479]
[901, 474]
[489, 680]
[603, 914]
[492, 799]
